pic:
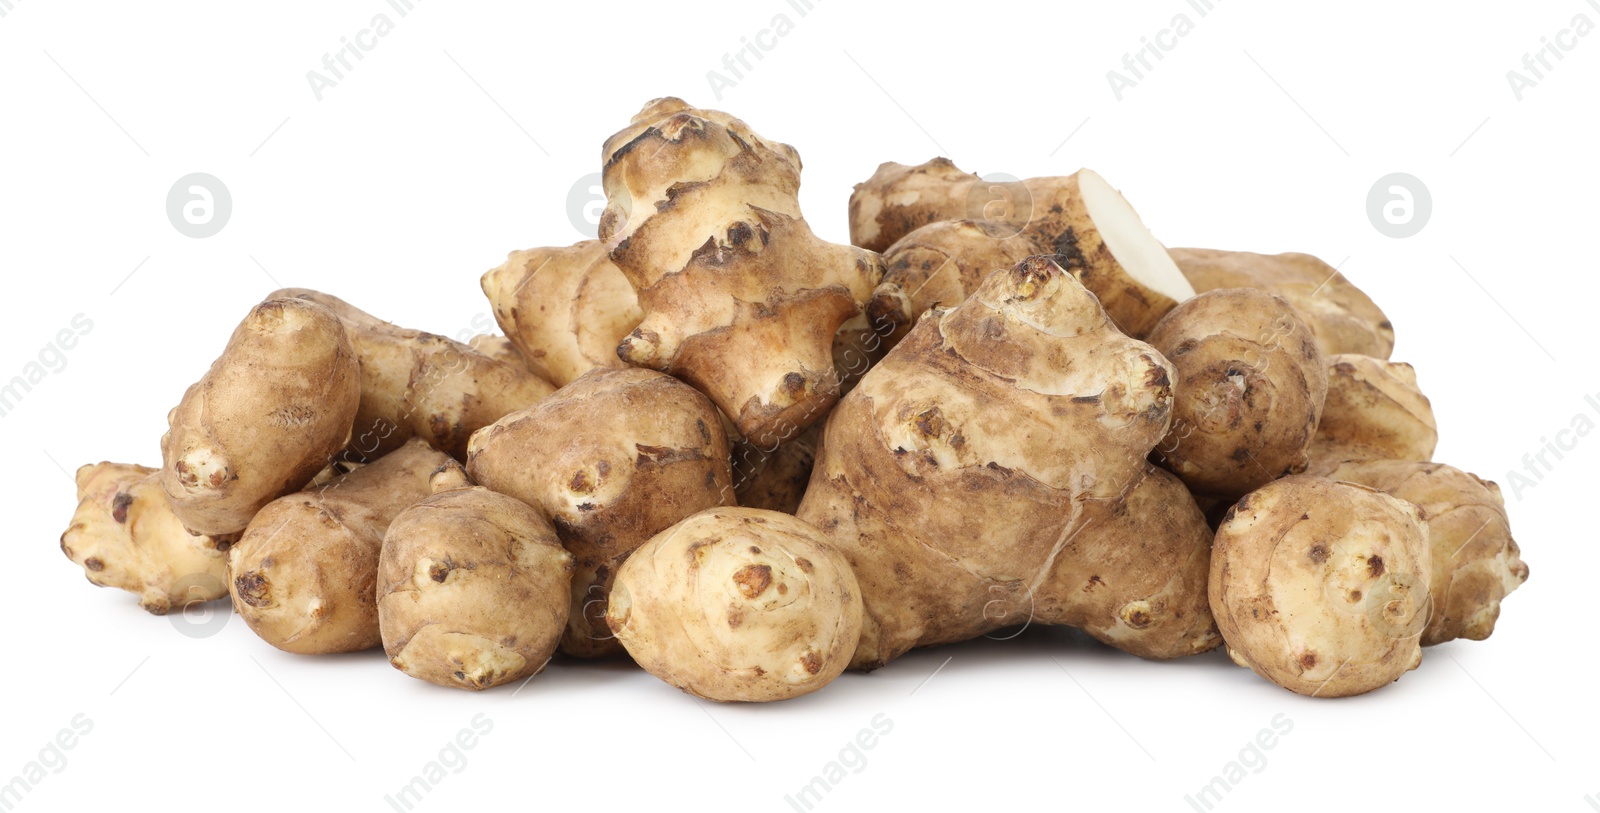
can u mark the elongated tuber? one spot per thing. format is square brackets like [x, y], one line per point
[305, 571]
[271, 412]
[416, 384]
[1340, 315]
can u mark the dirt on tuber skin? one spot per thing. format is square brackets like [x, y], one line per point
[1250, 389]
[611, 459]
[1374, 411]
[740, 298]
[125, 535]
[566, 309]
[416, 384]
[1079, 220]
[1322, 586]
[1476, 563]
[473, 587]
[1341, 317]
[945, 479]
[304, 575]
[269, 414]
[738, 604]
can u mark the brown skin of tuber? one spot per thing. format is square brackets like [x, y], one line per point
[940, 264]
[1476, 563]
[416, 384]
[473, 587]
[1079, 220]
[566, 309]
[775, 479]
[611, 459]
[1374, 411]
[1134, 574]
[1250, 389]
[740, 298]
[1340, 315]
[125, 535]
[738, 604]
[304, 575]
[955, 475]
[1322, 587]
[271, 412]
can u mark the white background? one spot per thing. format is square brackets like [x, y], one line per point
[458, 138]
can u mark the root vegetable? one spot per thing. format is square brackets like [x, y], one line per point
[473, 587]
[738, 604]
[1340, 315]
[269, 414]
[899, 199]
[1374, 411]
[775, 479]
[1322, 587]
[1134, 573]
[498, 348]
[416, 384]
[956, 472]
[740, 298]
[125, 535]
[566, 309]
[305, 571]
[611, 459]
[939, 264]
[1476, 563]
[1086, 224]
[1250, 388]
